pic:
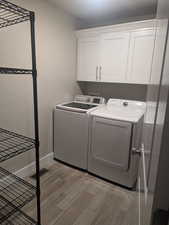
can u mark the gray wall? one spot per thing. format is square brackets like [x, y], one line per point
[112, 90]
[56, 61]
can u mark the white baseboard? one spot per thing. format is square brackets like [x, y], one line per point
[46, 161]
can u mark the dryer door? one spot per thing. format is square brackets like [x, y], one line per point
[111, 142]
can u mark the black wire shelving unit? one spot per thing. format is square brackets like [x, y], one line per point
[19, 218]
[12, 144]
[14, 191]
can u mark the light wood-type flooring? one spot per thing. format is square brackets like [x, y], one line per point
[72, 197]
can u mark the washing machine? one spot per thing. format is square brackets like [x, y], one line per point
[115, 140]
[71, 129]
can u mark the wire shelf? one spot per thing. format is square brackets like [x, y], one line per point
[14, 193]
[12, 144]
[5, 70]
[19, 218]
[11, 14]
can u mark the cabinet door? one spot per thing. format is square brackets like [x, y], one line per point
[110, 144]
[141, 56]
[114, 57]
[88, 59]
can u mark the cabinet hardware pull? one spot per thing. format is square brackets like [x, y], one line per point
[97, 73]
[100, 73]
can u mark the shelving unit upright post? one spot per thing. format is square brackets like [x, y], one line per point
[14, 191]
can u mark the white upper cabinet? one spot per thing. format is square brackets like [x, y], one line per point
[114, 57]
[88, 59]
[118, 53]
[141, 56]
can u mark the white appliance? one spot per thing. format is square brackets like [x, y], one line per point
[115, 138]
[71, 129]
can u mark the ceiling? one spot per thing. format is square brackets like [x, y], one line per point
[100, 12]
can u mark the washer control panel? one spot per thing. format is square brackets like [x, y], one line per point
[90, 99]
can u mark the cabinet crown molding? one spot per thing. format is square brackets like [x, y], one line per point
[145, 24]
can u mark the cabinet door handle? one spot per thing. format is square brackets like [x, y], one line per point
[97, 72]
[100, 73]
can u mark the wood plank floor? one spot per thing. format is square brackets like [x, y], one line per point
[72, 197]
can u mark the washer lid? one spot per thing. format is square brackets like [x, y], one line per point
[123, 110]
[80, 105]
[77, 107]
